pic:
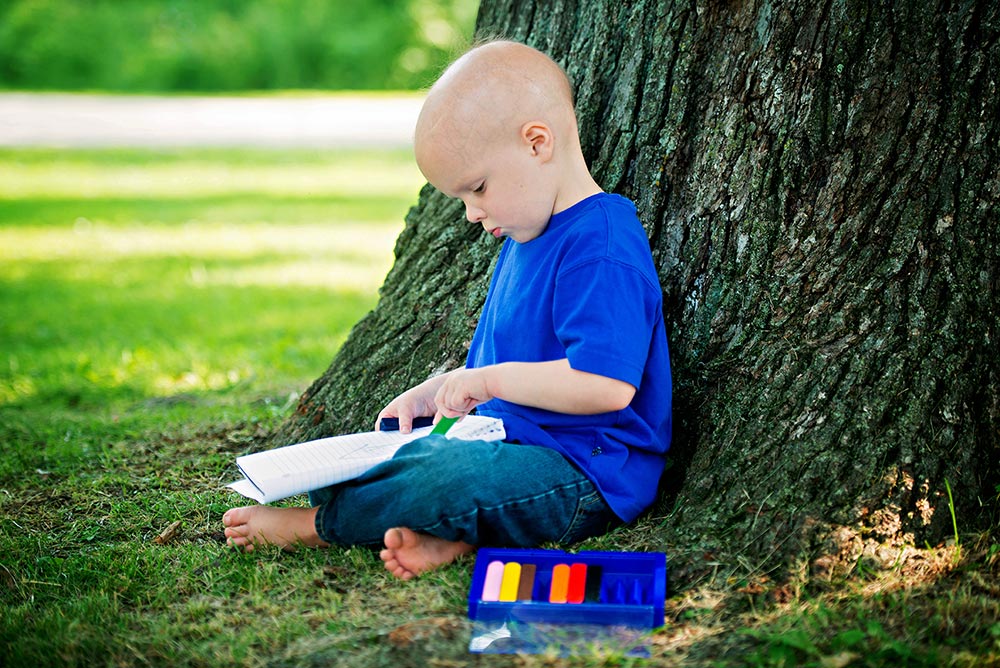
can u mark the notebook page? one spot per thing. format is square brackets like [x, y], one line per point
[478, 428]
[298, 468]
[295, 469]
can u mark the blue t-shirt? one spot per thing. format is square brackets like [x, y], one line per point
[586, 290]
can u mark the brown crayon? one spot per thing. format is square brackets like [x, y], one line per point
[526, 586]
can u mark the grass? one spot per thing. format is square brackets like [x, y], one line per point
[159, 313]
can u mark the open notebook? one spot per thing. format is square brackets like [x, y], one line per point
[295, 469]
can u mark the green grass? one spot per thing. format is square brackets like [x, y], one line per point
[159, 314]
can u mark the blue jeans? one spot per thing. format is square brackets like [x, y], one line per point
[478, 492]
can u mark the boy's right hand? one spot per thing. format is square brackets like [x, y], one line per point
[405, 417]
[416, 402]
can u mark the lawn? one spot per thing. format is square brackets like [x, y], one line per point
[159, 314]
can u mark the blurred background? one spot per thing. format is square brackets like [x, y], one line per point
[198, 200]
[228, 45]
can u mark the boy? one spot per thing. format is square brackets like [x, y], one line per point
[570, 350]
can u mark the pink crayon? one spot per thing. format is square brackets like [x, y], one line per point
[492, 582]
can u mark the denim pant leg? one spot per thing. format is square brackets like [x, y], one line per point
[479, 492]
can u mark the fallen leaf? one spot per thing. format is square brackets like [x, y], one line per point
[841, 660]
[168, 534]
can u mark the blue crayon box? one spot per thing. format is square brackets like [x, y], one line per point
[552, 586]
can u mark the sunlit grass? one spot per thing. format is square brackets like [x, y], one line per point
[328, 254]
[222, 278]
[194, 174]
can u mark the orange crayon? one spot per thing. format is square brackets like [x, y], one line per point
[560, 583]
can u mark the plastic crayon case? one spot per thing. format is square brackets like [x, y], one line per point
[610, 588]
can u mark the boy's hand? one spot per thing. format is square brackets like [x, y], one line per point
[415, 402]
[463, 390]
[408, 405]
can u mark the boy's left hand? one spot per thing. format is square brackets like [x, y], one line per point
[463, 390]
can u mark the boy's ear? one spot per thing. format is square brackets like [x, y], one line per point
[538, 137]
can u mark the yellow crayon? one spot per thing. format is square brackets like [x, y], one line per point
[510, 582]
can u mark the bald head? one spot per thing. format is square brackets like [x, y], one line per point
[498, 132]
[491, 92]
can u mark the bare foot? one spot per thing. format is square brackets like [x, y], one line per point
[408, 553]
[260, 525]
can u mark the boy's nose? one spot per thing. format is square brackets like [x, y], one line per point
[473, 214]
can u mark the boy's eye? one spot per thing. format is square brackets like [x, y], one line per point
[480, 188]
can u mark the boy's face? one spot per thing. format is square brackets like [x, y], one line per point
[503, 183]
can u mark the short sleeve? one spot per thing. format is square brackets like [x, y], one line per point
[605, 313]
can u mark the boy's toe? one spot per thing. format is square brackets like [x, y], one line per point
[236, 516]
[240, 542]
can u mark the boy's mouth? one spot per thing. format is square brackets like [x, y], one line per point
[496, 232]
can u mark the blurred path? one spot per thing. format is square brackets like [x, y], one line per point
[320, 121]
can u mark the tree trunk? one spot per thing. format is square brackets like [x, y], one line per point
[819, 184]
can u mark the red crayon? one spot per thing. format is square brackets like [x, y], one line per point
[577, 583]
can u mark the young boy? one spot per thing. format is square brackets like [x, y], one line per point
[570, 350]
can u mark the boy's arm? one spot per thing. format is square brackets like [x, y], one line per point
[553, 386]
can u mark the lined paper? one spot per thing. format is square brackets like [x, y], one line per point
[295, 469]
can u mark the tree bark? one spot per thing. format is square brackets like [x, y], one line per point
[820, 186]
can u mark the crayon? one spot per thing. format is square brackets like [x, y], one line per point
[392, 423]
[526, 586]
[511, 579]
[443, 425]
[592, 590]
[577, 583]
[494, 578]
[560, 583]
